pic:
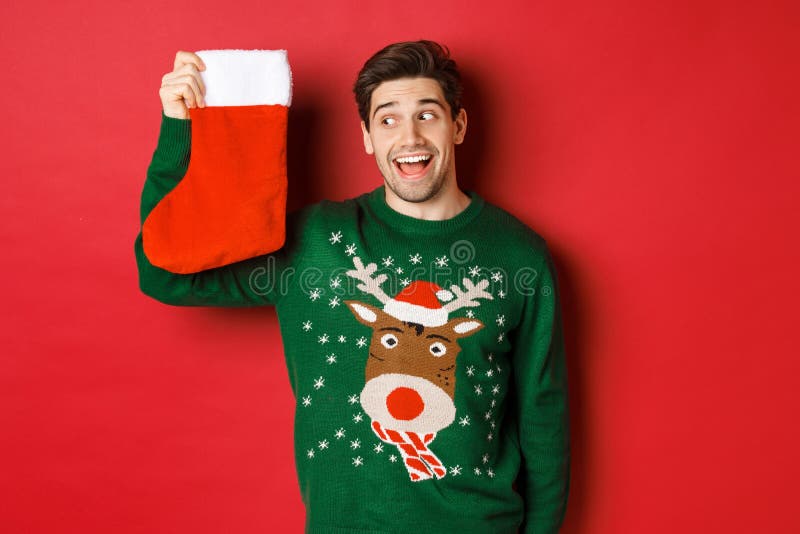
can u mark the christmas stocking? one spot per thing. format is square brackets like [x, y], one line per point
[231, 203]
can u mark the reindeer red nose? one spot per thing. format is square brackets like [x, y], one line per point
[404, 403]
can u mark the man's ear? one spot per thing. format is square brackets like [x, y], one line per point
[461, 127]
[367, 141]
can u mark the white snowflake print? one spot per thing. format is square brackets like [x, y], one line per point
[415, 258]
[352, 399]
[336, 282]
[478, 390]
[315, 294]
[488, 415]
[477, 471]
[490, 436]
[388, 261]
[399, 270]
[322, 339]
[501, 294]
[307, 325]
[357, 418]
[441, 262]
[490, 356]
[490, 472]
[378, 448]
[496, 389]
[350, 249]
[485, 458]
[310, 453]
[464, 421]
[497, 277]
[355, 444]
[319, 383]
[358, 461]
[470, 314]
[470, 370]
[499, 369]
[492, 424]
[335, 237]
[333, 302]
[342, 339]
[501, 336]
[405, 281]
[339, 433]
[307, 400]
[490, 373]
[393, 458]
[455, 470]
[323, 444]
[501, 320]
[493, 403]
[360, 342]
[331, 358]
[474, 270]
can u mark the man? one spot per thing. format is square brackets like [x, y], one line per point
[421, 324]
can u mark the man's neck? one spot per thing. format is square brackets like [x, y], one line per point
[449, 202]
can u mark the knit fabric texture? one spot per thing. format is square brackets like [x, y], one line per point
[426, 359]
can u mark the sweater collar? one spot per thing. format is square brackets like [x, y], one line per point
[408, 224]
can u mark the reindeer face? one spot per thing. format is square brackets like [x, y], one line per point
[410, 370]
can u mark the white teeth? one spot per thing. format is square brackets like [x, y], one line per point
[413, 159]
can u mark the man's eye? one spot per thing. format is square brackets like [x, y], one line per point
[388, 121]
[427, 115]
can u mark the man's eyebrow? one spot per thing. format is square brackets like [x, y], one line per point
[431, 101]
[435, 101]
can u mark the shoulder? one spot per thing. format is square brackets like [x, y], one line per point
[327, 213]
[524, 250]
[507, 230]
[324, 210]
[327, 219]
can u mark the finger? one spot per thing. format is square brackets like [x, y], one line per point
[187, 70]
[190, 83]
[181, 91]
[191, 69]
[183, 57]
[185, 90]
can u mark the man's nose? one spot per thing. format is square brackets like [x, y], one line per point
[411, 135]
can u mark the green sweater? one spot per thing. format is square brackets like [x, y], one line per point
[426, 359]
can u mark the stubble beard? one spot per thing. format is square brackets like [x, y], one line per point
[415, 192]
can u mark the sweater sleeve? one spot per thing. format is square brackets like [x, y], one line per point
[540, 378]
[257, 281]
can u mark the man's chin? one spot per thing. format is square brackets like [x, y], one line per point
[416, 191]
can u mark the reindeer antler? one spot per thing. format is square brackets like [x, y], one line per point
[369, 285]
[466, 298]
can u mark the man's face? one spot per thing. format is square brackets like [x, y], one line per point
[413, 137]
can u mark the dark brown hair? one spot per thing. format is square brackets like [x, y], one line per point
[411, 59]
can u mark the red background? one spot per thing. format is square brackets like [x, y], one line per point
[653, 144]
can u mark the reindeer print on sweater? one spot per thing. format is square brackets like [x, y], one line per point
[400, 337]
[410, 372]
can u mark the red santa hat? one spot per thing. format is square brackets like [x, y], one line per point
[420, 302]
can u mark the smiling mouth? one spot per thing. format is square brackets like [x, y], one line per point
[373, 356]
[412, 166]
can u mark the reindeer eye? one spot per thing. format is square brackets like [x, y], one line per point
[438, 349]
[389, 341]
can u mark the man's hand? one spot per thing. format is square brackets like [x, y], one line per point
[183, 88]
